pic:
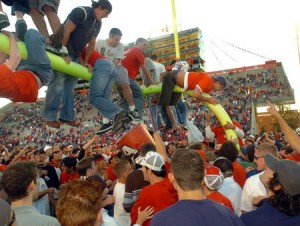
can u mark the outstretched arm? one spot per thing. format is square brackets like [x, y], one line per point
[292, 137]
[198, 96]
[147, 73]
[14, 53]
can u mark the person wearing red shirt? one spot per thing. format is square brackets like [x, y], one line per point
[199, 82]
[160, 194]
[110, 169]
[218, 131]
[20, 80]
[134, 59]
[102, 81]
[229, 151]
[213, 180]
[69, 172]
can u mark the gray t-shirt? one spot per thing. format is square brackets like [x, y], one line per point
[150, 66]
[109, 52]
[28, 215]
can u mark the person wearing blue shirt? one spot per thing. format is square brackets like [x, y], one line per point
[281, 206]
[192, 209]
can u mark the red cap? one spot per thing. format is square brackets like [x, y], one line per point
[213, 177]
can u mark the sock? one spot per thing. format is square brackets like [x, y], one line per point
[105, 120]
[132, 108]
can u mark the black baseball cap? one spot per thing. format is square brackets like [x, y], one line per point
[221, 80]
[104, 3]
[288, 173]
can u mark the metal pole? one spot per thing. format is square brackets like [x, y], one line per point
[297, 39]
[175, 30]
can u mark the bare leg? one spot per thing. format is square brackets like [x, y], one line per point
[39, 21]
[52, 18]
[19, 14]
[1, 9]
[127, 93]
[171, 117]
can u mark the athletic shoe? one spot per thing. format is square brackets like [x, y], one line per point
[4, 22]
[134, 115]
[57, 38]
[121, 127]
[72, 123]
[104, 128]
[53, 124]
[21, 28]
[119, 120]
[59, 52]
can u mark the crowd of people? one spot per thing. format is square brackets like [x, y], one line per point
[155, 160]
[159, 184]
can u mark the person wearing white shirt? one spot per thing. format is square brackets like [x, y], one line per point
[113, 50]
[231, 189]
[122, 170]
[253, 186]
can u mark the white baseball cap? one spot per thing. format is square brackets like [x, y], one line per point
[152, 160]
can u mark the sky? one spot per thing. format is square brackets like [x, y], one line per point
[267, 28]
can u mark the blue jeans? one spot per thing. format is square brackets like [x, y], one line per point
[137, 96]
[181, 112]
[61, 89]
[37, 59]
[101, 86]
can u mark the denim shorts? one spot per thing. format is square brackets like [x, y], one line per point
[39, 4]
[122, 77]
[21, 6]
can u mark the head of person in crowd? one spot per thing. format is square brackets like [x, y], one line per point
[70, 148]
[114, 158]
[282, 181]
[65, 150]
[249, 140]
[213, 178]
[225, 166]
[20, 181]
[249, 153]
[171, 147]
[187, 171]
[86, 167]
[153, 57]
[68, 165]
[153, 166]
[141, 43]
[260, 152]
[115, 35]
[40, 156]
[75, 152]
[102, 8]
[56, 157]
[100, 163]
[79, 203]
[145, 148]
[228, 150]
[122, 169]
[285, 150]
[219, 83]
[7, 215]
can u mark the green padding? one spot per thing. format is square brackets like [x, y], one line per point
[218, 110]
[77, 70]
[57, 63]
